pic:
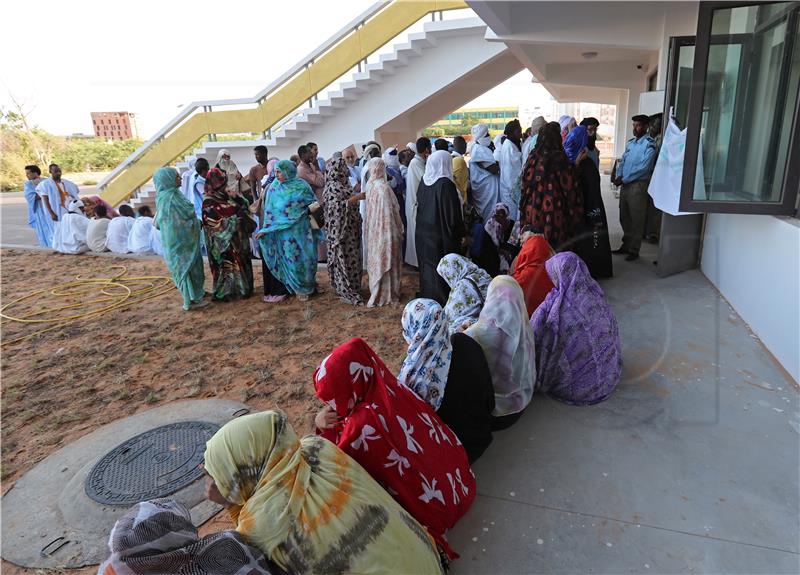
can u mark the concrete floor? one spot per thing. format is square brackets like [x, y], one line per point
[692, 466]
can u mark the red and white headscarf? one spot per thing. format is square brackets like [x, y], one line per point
[397, 437]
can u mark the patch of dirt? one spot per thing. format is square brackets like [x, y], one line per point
[65, 383]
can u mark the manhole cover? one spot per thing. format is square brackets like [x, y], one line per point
[153, 464]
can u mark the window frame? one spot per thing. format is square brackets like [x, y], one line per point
[791, 178]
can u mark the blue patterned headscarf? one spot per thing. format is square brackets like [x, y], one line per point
[577, 140]
[427, 362]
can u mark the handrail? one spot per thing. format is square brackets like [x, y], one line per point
[192, 106]
[363, 36]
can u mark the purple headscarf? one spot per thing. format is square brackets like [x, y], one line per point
[578, 351]
[576, 141]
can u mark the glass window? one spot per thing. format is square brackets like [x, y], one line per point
[749, 84]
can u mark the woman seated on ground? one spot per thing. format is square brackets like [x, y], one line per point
[450, 373]
[309, 507]
[577, 339]
[468, 284]
[490, 248]
[180, 238]
[505, 335]
[69, 233]
[288, 244]
[528, 269]
[157, 537]
[396, 436]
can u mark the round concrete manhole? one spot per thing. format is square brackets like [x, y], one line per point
[153, 464]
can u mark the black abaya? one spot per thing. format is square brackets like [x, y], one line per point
[439, 231]
[592, 244]
[468, 399]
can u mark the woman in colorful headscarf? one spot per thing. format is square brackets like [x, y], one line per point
[343, 225]
[227, 225]
[91, 202]
[592, 244]
[551, 200]
[505, 335]
[157, 537]
[396, 436]
[384, 237]
[288, 244]
[450, 373]
[491, 249]
[180, 237]
[529, 270]
[468, 284]
[577, 339]
[309, 507]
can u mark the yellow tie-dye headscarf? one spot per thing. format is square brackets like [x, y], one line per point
[308, 506]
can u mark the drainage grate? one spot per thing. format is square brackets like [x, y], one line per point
[153, 464]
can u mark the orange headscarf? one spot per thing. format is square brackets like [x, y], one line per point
[530, 272]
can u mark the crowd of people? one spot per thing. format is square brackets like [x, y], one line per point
[507, 306]
[365, 215]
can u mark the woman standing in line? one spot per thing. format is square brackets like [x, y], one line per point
[227, 226]
[288, 244]
[180, 238]
[343, 225]
[384, 237]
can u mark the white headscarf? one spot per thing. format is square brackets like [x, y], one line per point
[439, 165]
[74, 207]
[222, 152]
[391, 159]
[567, 122]
[504, 333]
[412, 146]
[480, 134]
[369, 148]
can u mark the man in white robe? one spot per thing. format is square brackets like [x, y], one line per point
[139, 238]
[97, 232]
[56, 193]
[511, 168]
[119, 229]
[187, 177]
[416, 170]
[484, 173]
[529, 144]
[69, 236]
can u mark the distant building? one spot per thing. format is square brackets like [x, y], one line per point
[460, 121]
[115, 125]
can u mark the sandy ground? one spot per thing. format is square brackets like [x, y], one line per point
[63, 384]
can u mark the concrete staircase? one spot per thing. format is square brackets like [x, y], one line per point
[391, 100]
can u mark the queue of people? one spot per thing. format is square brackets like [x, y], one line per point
[388, 472]
[507, 307]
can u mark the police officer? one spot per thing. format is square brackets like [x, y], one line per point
[633, 174]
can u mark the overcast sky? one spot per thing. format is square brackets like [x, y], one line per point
[63, 60]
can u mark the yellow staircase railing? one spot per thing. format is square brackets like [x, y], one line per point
[340, 54]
